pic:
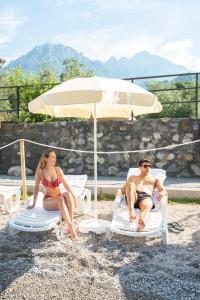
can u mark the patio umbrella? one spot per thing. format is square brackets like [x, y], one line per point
[96, 97]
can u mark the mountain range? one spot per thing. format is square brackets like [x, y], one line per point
[141, 64]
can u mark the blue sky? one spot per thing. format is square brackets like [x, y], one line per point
[105, 28]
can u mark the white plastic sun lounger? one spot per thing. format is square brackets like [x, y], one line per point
[157, 223]
[38, 219]
[83, 195]
[6, 198]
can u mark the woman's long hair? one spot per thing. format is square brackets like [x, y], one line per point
[43, 160]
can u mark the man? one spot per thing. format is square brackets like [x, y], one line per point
[138, 191]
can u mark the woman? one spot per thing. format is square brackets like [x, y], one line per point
[51, 177]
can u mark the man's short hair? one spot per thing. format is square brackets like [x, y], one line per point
[144, 161]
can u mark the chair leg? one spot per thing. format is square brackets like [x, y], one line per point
[109, 234]
[88, 199]
[12, 231]
[165, 237]
[59, 233]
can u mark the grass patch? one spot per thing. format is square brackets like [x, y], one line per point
[107, 197]
[184, 201]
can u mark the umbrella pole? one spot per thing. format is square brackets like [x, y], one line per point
[95, 165]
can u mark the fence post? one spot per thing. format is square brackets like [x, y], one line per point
[18, 95]
[197, 95]
[23, 170]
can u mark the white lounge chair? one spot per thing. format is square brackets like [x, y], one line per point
[77, 184]
[6, 198]
[157, 223]
[38, 219]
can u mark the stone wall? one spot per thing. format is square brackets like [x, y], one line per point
[112, 136]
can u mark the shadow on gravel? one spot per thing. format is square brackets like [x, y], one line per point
[152, 271]
[16, 254]
[189, 217]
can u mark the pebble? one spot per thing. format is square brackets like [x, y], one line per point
[37, 266]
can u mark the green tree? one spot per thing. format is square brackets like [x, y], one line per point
[2, 61]
[28, 86]
[179, 100]
[74, 69]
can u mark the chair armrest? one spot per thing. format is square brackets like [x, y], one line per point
[164, 210]
[164, 200]
[117, 203]
[18, 196]
[29, 201]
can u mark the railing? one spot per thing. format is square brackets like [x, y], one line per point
[14, 92]
[196, 87]
[15, 95]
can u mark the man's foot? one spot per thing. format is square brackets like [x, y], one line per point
[141, 225]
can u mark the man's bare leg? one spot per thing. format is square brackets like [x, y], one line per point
[145, 208]
[131, 197]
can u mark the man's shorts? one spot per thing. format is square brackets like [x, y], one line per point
[140, 197]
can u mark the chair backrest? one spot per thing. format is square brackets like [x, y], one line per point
[76, 180]
[157, 173]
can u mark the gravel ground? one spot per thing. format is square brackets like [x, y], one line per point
[37, 266]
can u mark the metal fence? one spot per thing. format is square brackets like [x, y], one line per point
[11, 96]
[182, 78]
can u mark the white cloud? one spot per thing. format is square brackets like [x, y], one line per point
[9, 22]
[4, 39]
[105, 42]
[112, 5]
[180, 52]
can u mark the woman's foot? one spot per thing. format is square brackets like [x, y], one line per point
[141, 225]
[132, 217]
[73, 235]
[66, 232]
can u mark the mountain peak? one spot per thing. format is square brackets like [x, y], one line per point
[142, 63]
[143, 53]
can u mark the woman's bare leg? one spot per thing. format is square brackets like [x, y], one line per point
[59, 203]
[131, 197]
[145, 208]
[70, 204]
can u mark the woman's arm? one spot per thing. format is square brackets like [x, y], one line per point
[36, 188]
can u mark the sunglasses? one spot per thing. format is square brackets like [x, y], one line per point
[146, 166]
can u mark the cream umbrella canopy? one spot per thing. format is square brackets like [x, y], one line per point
[106, 93]
[96, 97]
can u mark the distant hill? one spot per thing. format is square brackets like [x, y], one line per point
[185, 78]
[141, 64]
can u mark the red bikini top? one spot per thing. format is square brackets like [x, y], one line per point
[54, 184]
